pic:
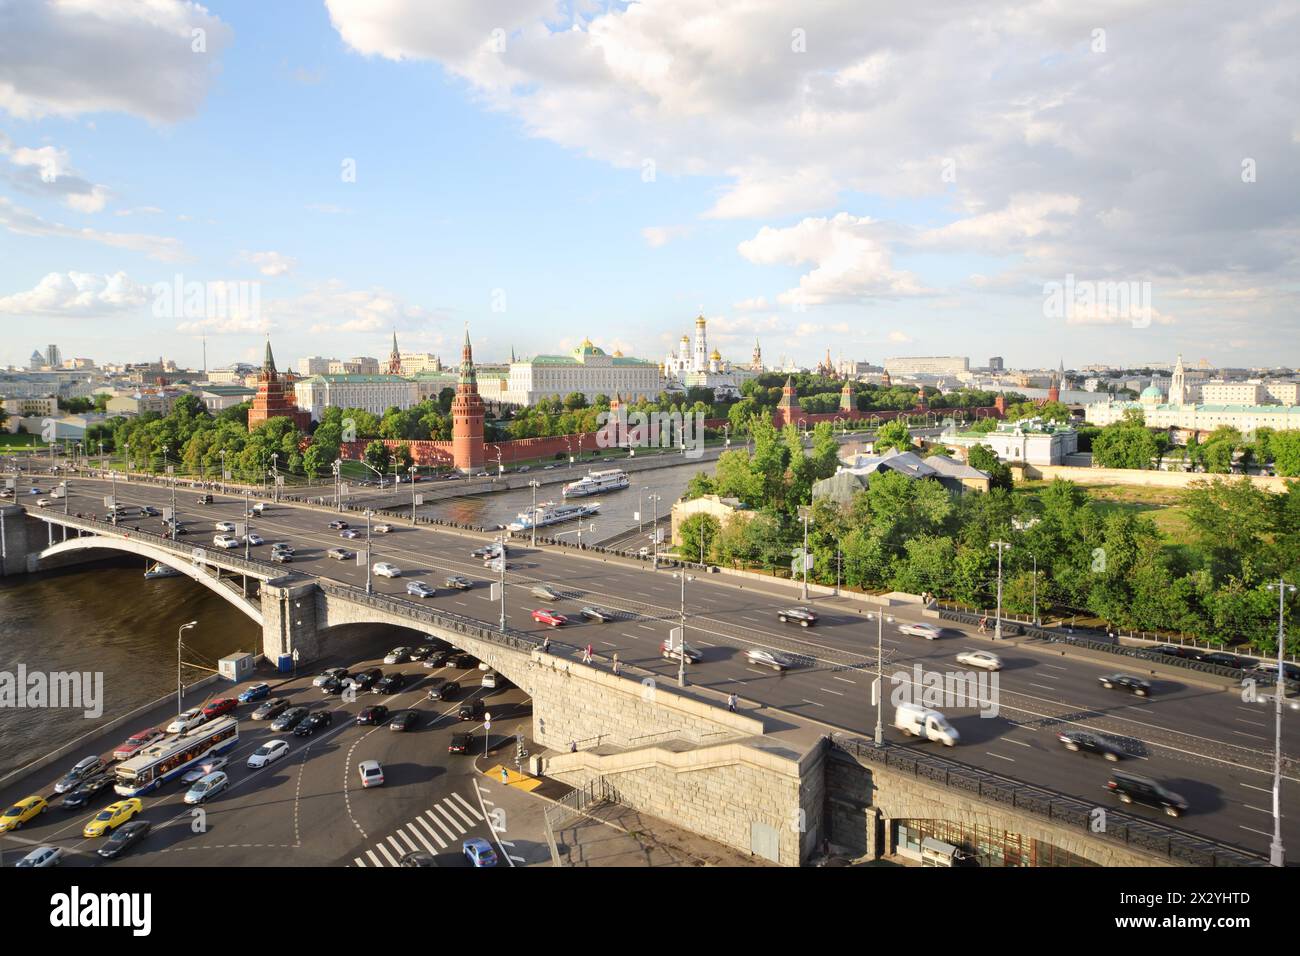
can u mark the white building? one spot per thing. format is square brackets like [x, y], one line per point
[928, 365]
[314, 365]
[1030, 440]
[373, 393]
[588, 370]
[415, 362]
[694, 366]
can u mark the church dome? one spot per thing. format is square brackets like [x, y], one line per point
[618, 353]
[1151, 392]
[715, 356]
[699, 321]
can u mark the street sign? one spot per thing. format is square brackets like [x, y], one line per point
[167, 514]
[636, 516]
[675, 637]
[419, 500]
[343, 488]
[9, 483]
[279, 480]
[171, 469]
[109, 502]
[241, 528]
[225, 474]
[495, 594]
[361, 560]
[659, 536]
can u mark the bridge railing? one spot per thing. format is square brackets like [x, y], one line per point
[1175, 845]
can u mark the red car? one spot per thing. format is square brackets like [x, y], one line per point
[133, 743]
[553, 618]
[218, 707]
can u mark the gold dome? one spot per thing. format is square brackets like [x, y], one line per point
[699, 321]
[618, 353]
[715, 356]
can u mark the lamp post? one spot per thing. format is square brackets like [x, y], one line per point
[532, 523]
[174, 519]
[1035, 616]
[805, 512]
[640, 509]
[222, 455]
[275, 476]
[126, 453]
[338, 488]
[179, 634]
[880, 617]
[413, 470]
[654, 531]
[369, 589]
[1276, 852]
[501, 584]
[681, 647]
[997, 621]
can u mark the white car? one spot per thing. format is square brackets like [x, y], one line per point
[397, 655]
[253, 539]
[225, 541]
[268, 753]
[490, 680]
[225, 526]
[43, 856]
[259, 508]
[372, 775]
[981, 659]
[386, 570]
[382, 528]
[43, 502]
[187, 721]
[203, 769]
[928, 631]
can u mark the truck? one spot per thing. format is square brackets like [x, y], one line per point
[916, 721]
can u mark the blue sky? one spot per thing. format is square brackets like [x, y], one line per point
[798, 196]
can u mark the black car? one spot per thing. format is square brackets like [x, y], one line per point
[461, 744]
[437, 659]
[423, 652]
[804, 617]
[373, 715]
[338, 525]
[87, 791]
[390, 684]
[367, 679]
[443, 689]
[458, 582]
[149, 511]
[334, 684]
[290, 719]
[471, 710]
[418, 858]
[1130, 788]
[1080, 741]
[313, 722]
[404, 720]
[1224, 659]
[272, 708]
[1134, 685]
[123, 838]
[1175, 650]
[464, 660]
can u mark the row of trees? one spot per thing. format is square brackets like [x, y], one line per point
[1129, 443]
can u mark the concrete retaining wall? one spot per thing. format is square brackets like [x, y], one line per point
[1149, 479]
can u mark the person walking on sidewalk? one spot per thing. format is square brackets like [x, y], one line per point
[731, 703]
[546, 644]
[586, 654]
[617, 666]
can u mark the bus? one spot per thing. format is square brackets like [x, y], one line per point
[173, 755]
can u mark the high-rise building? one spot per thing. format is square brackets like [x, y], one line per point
[53, 357]
[928, 365]
[996, 364]
[314, 365]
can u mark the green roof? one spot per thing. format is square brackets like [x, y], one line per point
[357, 379]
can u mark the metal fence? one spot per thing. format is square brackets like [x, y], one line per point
[1175, 845]
[578, 803]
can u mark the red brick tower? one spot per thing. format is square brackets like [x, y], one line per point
[1000, 405]
[467, 416]
[787, 409]
[275, 397]
[1054, 389]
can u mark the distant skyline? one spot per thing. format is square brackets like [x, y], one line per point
[548, 171]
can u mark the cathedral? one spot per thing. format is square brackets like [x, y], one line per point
[694, 366]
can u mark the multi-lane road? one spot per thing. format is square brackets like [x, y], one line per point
[1203, 742]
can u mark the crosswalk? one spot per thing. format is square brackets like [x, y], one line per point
[432, 831]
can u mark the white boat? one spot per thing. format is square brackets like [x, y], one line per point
[595, 482]
[157, 570]
[550, 513]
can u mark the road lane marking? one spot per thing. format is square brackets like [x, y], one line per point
[1000, 757]
[807, 701]
[1018, 743]
[469, 806]
[442, 844]
[1056, 666]
[845, 679]
[1044, 686]
[1251, 786]
[387, 856]
[1253, 723]
[1253, 830]
[1242, 733]
[837, 693]
[442, 826]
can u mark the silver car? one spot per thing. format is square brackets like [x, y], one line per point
[765, 658]
[207, 786]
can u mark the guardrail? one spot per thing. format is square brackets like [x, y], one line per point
[1175, 845]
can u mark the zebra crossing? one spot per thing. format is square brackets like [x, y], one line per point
[437, 829]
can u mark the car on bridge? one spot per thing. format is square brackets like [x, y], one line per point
[981, 659]
[765, 658]
[1134, 685]
[267, 754]
[284, 546]
[1130, 788]
[85, 768]
[123, 838]
[256, 692]
[674, 651]
[203, 500]
[87, 791]
[272, 708]
[382, 528]
[545, 592]
[1175, 650]
[187, 721]
[374, 715]
[149, 511]
[282, 557]
[22, 812]
[43, 502]
[386, 570]
[546, 616]
[372, 774]
[323, 676]
[803, 616]
[253, 539]
[217, 708]
[927, 631]
[313, 722]
[341, 554]
[457, 582]
[225, 541]
[136, 742]
[442, 689]
[112, 817]
[288, 720]
[592, 613]
[337, 525]
[350, 534]
[260, 508]
[1081, 741]
[225, 526]
[420, 589]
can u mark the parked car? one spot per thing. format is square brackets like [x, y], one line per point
[1081, 741]
[470, 710]
[457, 582]
[373, 715]
[386, 570]
[461, 744]
[593, 613]
[547, 616]
[1130, 788]
[267, 754]
[927, 631]
[209, 785]
[981, 659]
[42, 856]
[404, 720]
[136, 742]
[674, 651]
[123, 838]
[1134, 685]
[112, 817]
[803, 616]
[271, 708]
[765, 658]
[372, 774]
[313, 722]
[479, 852]
[389, 684]
[289, 719]
[397, 655]
[256, 692]
[443, 689]
[217, 708]
[420, 589]
[84, 769]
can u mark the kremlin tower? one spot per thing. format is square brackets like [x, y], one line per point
[275, 397]
[467, 416]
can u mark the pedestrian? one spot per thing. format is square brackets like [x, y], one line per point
[573, 746]
[616, 665]
[731, 703]
[586, 654]
[984, 625]
[546, 644]
[505, 775]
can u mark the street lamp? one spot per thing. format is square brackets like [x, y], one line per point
[681, 647]
[1035, 557]
[222, 455]
[532, 521]
[880, 617]
[654, 530]
[1276, 852]
[805, 512]
[997, 621]
[275, 476]
[369, 589]
[179, 634]
[338, 490]
[413, 470]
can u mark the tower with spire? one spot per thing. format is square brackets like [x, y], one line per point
[467, 415]
[787, 409]
[1178, 384]
[275, 397]
[394, 358]
[756, 363]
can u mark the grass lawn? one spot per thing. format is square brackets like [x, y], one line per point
[20, 441]
[1162, 505]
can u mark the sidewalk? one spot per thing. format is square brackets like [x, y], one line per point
[614, 835]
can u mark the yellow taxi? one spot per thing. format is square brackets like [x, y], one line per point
[21, 812]
[112, 817]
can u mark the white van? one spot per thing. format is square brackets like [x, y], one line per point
[916, 721]
[490, 680]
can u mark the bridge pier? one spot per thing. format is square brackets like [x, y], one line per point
[17, 540]
[290, 620]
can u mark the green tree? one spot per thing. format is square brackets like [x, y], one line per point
[701, 484]
[1124, 444]
[376, 456]
[893, 434]
[986, 459]
[699, 536]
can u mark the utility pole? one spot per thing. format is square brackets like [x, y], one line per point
[532, 524]
[805, 512]
[413, 471]
[338, 490]
[880, 617]
[1276, 852]
[654, 532]
[681, 646]
[369, 590]
[501, 563]
[997, 622]
[1035, 557]
[179, 634]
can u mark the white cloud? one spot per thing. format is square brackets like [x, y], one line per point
[332, 307]
[70, 57]
[25, 223]
[47, 171]
[899, 337]
[656, 236]
[77, 294]
[756, 303]
[1025, 217]
[269, 263]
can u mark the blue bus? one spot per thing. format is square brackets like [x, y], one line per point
[170, 757]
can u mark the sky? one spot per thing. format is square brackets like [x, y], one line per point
[1107, 182]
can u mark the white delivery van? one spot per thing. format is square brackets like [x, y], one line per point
[917, 721]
